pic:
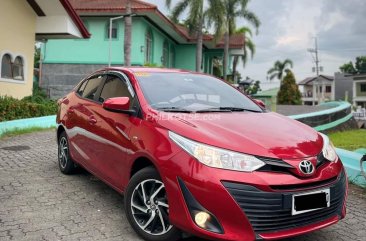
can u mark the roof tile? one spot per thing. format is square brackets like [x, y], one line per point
[109, 5]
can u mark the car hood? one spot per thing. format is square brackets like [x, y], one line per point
[262, 134]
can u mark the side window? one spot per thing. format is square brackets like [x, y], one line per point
[114, 87]
[82, 88]
[91, 87]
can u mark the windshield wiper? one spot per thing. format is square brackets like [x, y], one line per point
[173, 109]
[226, 109]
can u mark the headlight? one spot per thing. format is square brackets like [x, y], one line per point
[328, 149]
[217, 157]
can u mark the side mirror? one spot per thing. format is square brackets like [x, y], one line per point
[118, 104]
[260, 103]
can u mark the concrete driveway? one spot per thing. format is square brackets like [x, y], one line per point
[37, 202]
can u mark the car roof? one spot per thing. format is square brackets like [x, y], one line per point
[148, 70]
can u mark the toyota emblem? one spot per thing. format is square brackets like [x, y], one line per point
[306, 167]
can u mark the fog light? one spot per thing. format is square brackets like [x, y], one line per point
[200, 216]
[201, 219]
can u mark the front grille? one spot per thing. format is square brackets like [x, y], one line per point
[271, 211]
[297, 187]
[274, 165]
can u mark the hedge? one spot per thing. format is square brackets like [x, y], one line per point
[13, 109]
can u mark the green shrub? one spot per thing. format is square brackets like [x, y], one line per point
[28, 107]
[289, 93]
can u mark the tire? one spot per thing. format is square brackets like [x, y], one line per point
[65, 163]
[149, 219]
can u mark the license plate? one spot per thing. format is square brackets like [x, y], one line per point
[310, 201]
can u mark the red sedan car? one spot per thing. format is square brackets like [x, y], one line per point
[192, 154]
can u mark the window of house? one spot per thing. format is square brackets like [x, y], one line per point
[363, 87]
[18, 69]
[148, 47]
[91, 87]
[165, 57]
[6, 68]
[114, 87]
[328, 89]
[114, 31]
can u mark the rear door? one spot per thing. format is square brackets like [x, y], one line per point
[82, 137]
[113, 130]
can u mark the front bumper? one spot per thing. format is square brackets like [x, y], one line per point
[270, 212]
[246, 204]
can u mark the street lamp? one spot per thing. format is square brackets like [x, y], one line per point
[110, 34]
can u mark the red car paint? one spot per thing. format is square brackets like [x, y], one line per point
[95, 132]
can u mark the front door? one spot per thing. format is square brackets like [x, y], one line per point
[113, 130]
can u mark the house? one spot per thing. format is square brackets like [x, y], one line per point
[21, 23]
[156, 41]
[317, 89]
[343, 87]
[359, 90]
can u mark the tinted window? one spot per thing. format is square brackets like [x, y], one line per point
[81, 88]
[191, 91]
[114, 87]
[92, 87]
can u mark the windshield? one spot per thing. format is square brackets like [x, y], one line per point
[192, 92]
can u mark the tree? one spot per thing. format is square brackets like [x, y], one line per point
[289, 93]
[253, 88]
[195, 22]
[358, 68]
[248, 47]
[279, 68]
[224, 14]
[127, 36]
[348, 68]
[360, 64]
[37, 56]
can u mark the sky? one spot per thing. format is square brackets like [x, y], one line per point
[288, 29]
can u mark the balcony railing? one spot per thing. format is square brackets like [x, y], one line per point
[307, 94]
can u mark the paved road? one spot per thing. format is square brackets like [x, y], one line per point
[37, 202]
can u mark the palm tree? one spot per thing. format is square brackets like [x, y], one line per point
[279, 68]
[127, 37]
[195, 22]
[223, 14]
[248, 47]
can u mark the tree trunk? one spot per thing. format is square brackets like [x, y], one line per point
[226, 53]
[199, 51]
[199, 45]
[235, 63]
[127, 37]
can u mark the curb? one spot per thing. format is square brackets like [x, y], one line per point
[41, 122]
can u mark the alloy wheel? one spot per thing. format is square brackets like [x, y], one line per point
[150, 207]
[63, 152]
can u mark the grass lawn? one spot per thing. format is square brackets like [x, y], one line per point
[349, 140]
[17, 132]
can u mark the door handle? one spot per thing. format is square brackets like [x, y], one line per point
[92, 121]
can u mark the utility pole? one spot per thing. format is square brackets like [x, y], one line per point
[110, 38]
[317, 69]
